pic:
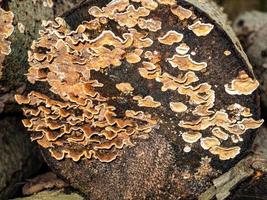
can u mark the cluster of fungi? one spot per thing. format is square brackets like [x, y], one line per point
[6, 29]
[74, 119]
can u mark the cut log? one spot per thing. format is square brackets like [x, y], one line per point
[141, 99]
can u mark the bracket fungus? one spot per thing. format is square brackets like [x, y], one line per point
[6, 29]
[181, 12]
[123, 88]
[242, 85]
[178, 107]
[201, 29]
[170, 38]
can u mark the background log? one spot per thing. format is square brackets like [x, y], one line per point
[53, 195]
[20, 159]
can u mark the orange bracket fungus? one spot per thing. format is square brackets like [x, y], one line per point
[140, 92]
[201, 29]
[125, 87]
[170, 38]
[242, 85]
[6, 29]
[181, 13]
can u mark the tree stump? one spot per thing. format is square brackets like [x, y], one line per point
[140, 99]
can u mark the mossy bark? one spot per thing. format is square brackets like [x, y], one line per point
[20, 158]
[30, 13]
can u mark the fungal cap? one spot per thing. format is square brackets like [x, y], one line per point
[131, 16]
[149, 4]
[21, 99]
[219, 133]
[225, 153]
[191, 136]
[242, 85]
[48, 3]
[182, 49]
[6, 22]
[150, 70]
[185, 63]
[227, 53]
[6, 19]
[21, 27]
[240, 110]
[134, 57]
[181, 13]
[167, 2]
[250, 123]
[170, 38]
[187, 149]
[178, 107]
[150, 24]
[201, 29]
[147, 101]
[125, 87]
[172, 83]
[209, 142]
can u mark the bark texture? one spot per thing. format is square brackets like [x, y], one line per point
[19, 157]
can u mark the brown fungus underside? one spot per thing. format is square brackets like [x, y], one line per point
[137, 84]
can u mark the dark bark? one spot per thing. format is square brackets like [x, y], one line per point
[19, 157]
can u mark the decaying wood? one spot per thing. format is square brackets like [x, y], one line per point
[225, 183]
[165, 160]
[47, 181]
